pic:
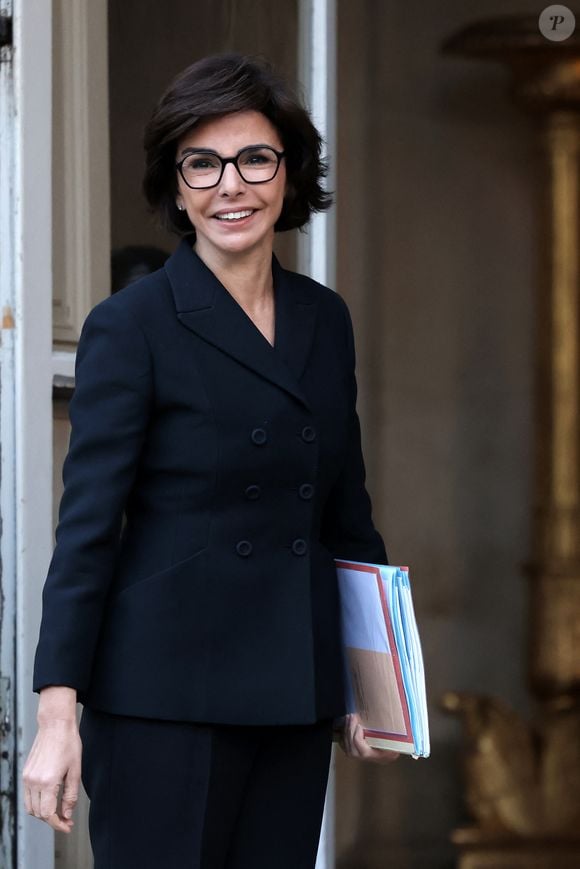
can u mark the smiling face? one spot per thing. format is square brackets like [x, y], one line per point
[233, 218]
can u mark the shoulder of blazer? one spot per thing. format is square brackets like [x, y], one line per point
[332, 301]
[320, 292]
[333, 304]
[335, 310]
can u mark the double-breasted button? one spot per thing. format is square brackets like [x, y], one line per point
[252, 492]
[308, 434]
[259, 436]
[244, 548]
[306, 491]
[299, 546]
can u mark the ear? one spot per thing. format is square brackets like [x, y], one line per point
[179, 203]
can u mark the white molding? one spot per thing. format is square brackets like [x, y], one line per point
[317, 247]
[32, 456]
[7, 440]
[81, 229]
[63, 364]
[317, 72]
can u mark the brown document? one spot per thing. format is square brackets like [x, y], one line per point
[376, 690]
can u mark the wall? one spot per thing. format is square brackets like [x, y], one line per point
[437, 183]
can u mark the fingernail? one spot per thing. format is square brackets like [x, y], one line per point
[68, 813]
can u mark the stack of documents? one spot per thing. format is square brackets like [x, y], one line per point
[384, 673]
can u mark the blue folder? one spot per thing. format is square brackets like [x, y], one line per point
[383, 661]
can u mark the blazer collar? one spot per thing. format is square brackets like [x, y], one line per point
[205, 307]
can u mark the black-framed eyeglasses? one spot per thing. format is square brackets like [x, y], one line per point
[256, 164]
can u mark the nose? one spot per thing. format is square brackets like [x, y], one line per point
[232, 182]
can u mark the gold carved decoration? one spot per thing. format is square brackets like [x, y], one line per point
[520, 780]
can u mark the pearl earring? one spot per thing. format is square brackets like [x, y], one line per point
[180, 206]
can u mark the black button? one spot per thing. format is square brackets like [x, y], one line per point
[306, 491]
[259, 436]
[253, 492]
[243, 547]
[299, 546]
[308, 434]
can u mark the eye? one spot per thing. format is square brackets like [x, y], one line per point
[201, 163]
[257, 157]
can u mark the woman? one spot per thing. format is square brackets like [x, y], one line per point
[214, 411]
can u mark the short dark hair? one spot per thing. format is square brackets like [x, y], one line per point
[216, 86]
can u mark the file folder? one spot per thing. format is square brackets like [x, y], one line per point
[383, 661]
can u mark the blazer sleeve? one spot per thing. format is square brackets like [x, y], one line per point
[109, 413]
[347, 528]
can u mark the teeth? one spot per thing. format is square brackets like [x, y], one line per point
[235, 215]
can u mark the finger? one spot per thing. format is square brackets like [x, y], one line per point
[60, 824]
[48, 801]
[28, 800]
[68, 806]
[352, 745]
[70, 794]
[358, 742]
[349, 749]
[347, 735]
[368, 752]
[35, 794]
[361, 746]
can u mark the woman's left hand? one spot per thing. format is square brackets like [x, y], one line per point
[354, 744]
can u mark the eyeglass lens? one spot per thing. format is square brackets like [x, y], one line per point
[203, 169]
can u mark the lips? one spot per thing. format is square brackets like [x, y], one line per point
[233, 216]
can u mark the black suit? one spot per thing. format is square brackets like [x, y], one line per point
[239, 468]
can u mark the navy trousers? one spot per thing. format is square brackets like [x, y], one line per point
[173, 795]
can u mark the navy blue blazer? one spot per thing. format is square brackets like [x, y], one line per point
[210, 482]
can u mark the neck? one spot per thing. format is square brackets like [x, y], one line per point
[247, 275]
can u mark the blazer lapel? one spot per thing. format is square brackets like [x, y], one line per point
[205, 307]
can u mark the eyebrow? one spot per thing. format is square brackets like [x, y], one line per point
[201, 150]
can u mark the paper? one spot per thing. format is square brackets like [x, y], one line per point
[385, 676]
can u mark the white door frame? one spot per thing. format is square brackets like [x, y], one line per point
[81, 242]
[317, 247]
[7, 535]
[27, 391]
[317, 71]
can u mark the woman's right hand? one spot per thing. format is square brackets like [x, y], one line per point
[354, 744]
[54, 760]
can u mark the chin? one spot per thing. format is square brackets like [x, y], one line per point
[241, 244]
[235, 246]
